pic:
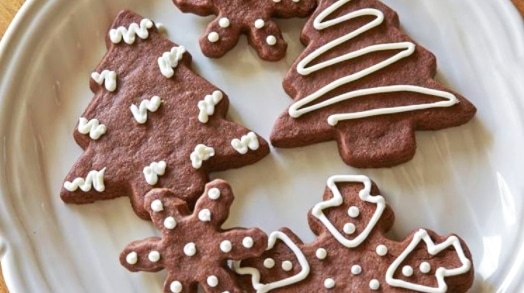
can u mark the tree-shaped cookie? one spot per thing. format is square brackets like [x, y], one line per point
[153, 122]
[250, 17]
[194, 249]
[352, 254]
[362, 82]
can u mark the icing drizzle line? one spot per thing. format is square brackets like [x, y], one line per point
[300, 107]
[129, 34]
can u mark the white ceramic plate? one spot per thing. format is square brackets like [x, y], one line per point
[468, 180]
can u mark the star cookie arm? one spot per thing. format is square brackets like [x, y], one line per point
[288, 9]
[220, 37]
[219, 280]
[143, 255]
[165, 209]
[237, 244]
[198, 7]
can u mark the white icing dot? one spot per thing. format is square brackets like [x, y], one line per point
[276, 1]
[329, 283]
[353, 212]
[132, 258]
[374, 284]
[269, 263]
[153, 256]
[407, 271]
[190, 249]
[204, 215]
[287, 265]
[226, 246]
[157, 206]
[271, 40]
[296, 1]
[349, 228]
[382, 250]
[321, 253]
[425, 267]
[248, 242]
[175, 287]
[259, 23]
[356, 270]
[212, 281]
[170, 223]
[213, 37]
[224, 22]
[214, 193]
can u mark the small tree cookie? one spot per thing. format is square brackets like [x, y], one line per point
[194, 249]
[351, 253]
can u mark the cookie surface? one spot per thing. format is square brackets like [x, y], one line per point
[153, 122]
[352, 254]
[362, 82]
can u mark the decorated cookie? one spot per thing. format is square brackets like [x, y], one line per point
[153, 122]
[194, 249]
[364, 83]
[250, 17]
[352, 254]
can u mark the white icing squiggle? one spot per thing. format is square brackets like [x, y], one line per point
[93, 179]
[169, 60]
[93, 127]
[200, 154]
[245, 143]
[129, 34]
[154, 170]
[255, 274]
[107, 77]
[140, 113]
[432, 249]
[337, 200]
[207, 106]
[308, 104]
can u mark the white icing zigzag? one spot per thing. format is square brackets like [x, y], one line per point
[140, 113]
[154, 170]
[200, 154]
[255, 274]
[93, 179]
[433, 249]
[93, 127]
[129, 34]
[207, 106]
[107, 77]
[308, 104]
[337, 200]
[169, 60]
[245, 143]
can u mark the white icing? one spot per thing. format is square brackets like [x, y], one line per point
[433, 249]
[94, 179]
[107, 77]
[309, 104]
[153, 256]
[140, 112]
[160, 27]
[407, 271]
[269, 263]
[154, 170]
[287, 265]
[271, 40]
[176, 287]
[93, 127]
[213, 37]
[129, 34]
[200, 154]
[170, 223]
[321, 253]
[356, 270]
[206, 106]
[374, 284]
[212, 281]
[132, 258]
[245, 143]
[226, 246]
[337, 200]
[204, 215]
[157, 205]
[259, 23]
[329, 283]
[381, 250]
[224, 22]
[214, 193]
[190, 249]
[248, 242]
[255, 274]
[349, 228]
[353, 212]
[277, 1]
[425, 267]
[296, 1]
[169, 60]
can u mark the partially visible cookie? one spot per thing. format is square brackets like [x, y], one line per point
[153, 122]
[194, 249]
[520, 5]
[352, 254]
[363, 83]
[254, 18]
